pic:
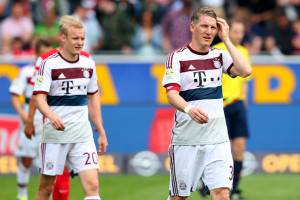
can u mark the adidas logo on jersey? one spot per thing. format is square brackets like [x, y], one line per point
[191, 67]
[61, 76]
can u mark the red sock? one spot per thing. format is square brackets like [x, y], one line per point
[61, 186]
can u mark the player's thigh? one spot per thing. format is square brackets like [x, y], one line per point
[89, 181]
[218, 172]
[186, 167]
[52, 158]
[46, 182]
[82, 156]
[239, 144]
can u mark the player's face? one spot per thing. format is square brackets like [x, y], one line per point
[237, 32]
[74, 40]
[204, 31]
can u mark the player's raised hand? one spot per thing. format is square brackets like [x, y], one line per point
[223, 29]
[102, 144]
[29, 129]
[198, 115]
[57, 123]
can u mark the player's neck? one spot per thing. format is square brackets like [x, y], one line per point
[68, 56]
[198, 48]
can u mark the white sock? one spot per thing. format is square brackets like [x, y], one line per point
[168, 198]
[23, 175]
[92, 198]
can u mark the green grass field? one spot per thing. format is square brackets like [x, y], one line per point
[122, 187]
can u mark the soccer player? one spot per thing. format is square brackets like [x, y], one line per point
[234, 94]
[67, 95]
[200, 148]
[28, 148]
[61, 187]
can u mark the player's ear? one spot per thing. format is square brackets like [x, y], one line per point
[192, 27]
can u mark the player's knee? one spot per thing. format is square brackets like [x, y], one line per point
[45, 189]
[26, 162]
[92, 186]
[220, 194]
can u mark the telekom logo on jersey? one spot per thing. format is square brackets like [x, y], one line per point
[67, 86]
[199, 77]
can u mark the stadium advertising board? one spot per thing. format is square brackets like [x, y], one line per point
[137, 117]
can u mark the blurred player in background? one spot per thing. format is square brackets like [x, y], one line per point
[27, 149]
[66, 93]
[235, 102]
[200, 147]
[61, 187]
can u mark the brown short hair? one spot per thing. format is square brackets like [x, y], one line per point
[67, 21]
[39, 44]
[203, 11]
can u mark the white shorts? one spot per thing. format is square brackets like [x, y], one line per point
[29, 147]
[190, 165]
[76, 156]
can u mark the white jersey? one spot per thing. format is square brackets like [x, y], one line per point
[23, 86]
[67, 85]
[199, 77]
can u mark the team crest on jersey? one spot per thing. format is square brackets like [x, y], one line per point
[86, 73]
[49, 165]
[39, 79]
[182, 185]
[169, 73]
[217, 63]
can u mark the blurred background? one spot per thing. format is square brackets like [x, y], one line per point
[129, 40]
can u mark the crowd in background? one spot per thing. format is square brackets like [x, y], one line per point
[146, 27]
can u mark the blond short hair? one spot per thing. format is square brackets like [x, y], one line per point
[67, 21]
[203, 11]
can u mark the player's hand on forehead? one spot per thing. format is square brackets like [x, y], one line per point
[223, 28]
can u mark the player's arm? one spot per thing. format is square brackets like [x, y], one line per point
[15, 101]
[44, 108]
[94, 107]
[17, 89]
[180, 104]
[29, 126]
[241, 66]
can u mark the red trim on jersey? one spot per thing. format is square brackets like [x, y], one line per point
[69, 61]
[172, 86]
[84, 53]
[196, 52]
[195, 65]
[49, 53]
[71, 73]
[228, 71]
[169, 61]
[39, 92]
[91, 93]
[15, 94]
[29, 81]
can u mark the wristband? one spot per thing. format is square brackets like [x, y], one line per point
[188, 108]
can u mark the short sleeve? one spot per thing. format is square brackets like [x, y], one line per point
[172, 71]
[92, 87]
[227, 62]
[36, 69]
[18, 85]
[43, 79]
